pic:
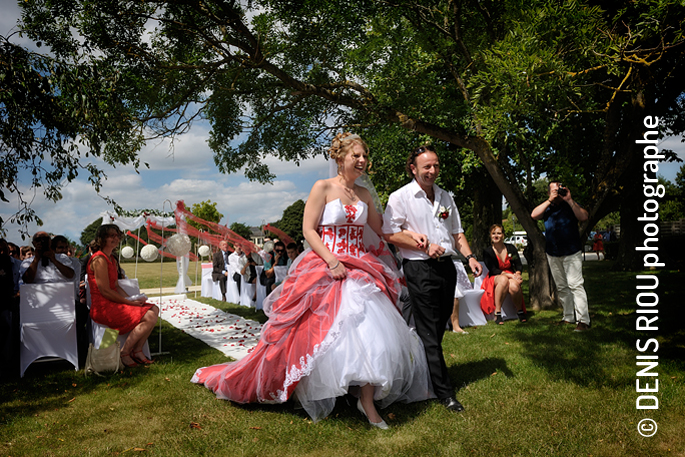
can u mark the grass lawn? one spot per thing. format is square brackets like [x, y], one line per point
[148, 273]
[533, 389]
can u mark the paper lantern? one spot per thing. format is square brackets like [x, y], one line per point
[127, 252]
[269, 246]
[149, 253]
[178, 245]
[203, 250]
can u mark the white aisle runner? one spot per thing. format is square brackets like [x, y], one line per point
[233, 335]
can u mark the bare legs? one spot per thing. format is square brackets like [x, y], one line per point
[367, 403]
[455, 318]
[503, 286]
[139, 335]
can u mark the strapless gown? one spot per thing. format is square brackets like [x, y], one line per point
[325, 335]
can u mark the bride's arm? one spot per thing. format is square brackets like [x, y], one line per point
[375, 220]
[310, 223]
[421, 240]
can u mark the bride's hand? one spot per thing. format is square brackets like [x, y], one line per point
[338, 271]
[420, 239]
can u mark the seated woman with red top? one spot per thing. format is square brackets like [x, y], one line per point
[109, 303]
[504, 276]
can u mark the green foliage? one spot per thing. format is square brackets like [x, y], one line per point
[54, 115]
[207, 211]
[241, 229]
[672, 206]
[88, 233]
[291, 222]
[521, 89]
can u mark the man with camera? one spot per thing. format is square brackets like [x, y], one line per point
[564, 252]
[45, 266]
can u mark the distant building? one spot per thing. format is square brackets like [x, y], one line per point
[257, 236]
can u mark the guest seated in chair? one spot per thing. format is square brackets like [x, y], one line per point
[60, 244]
[277, 258]
[504, 276]
[25, 252]
[248, 268]
[109, 303]
[45, 266]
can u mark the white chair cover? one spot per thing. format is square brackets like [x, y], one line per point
[206, 280]
[280, 272]
[48, 323]
[232, 294]
[247, 291]
[470, 312]
[508, 308]
[76, 266]
[261, 289]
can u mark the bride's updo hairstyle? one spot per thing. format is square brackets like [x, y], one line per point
[341, 145]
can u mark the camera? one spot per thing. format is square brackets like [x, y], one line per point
[562, 191]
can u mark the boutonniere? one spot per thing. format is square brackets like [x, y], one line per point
[443, 213]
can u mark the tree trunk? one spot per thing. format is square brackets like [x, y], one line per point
[631, 208]
[539, 274]
[487, 210]
[632, 196]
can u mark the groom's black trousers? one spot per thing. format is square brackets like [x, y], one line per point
[431, 285]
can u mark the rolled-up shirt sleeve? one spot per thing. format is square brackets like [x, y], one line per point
[454, 219]
[395, 216]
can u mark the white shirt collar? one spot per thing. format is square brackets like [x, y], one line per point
[417, 190]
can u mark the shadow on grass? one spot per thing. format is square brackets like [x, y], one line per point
[48, 386]
[605, 355]
[471, 372]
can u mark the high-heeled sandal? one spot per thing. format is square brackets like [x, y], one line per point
[141, 358]
[498, 319]
[130, 356]
[522, 316]
[382, 425]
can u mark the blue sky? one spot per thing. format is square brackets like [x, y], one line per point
[188, 173]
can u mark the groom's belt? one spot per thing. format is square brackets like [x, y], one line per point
[444, 258]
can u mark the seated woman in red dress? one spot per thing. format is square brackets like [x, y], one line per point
[109, 305]
[504, 276]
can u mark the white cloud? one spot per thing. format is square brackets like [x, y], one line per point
[188, 150]
[669, 170]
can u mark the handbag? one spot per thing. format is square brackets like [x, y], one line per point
[236, 277]
[103, 360]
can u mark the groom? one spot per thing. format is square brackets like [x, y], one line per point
[424, 208]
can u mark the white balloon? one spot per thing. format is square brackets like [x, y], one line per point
[178, 245]
[149, 253]
[203, 250]
[127, 252]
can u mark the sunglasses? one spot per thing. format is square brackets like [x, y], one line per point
[423, 149]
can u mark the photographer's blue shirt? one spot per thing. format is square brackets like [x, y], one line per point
[561, 230]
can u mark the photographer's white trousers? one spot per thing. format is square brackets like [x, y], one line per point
[567, 272]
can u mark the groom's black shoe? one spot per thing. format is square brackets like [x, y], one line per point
[452, 404]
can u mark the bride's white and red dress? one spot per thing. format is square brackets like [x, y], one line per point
[324, 335]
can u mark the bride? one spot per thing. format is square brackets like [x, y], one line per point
[333, 323]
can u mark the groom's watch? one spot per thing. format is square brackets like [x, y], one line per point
[470, 256]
